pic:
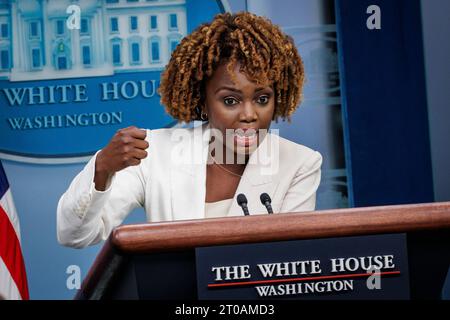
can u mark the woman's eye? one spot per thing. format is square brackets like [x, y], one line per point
[263, 100]
[230, 101]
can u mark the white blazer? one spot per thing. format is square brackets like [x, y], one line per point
[171, 185]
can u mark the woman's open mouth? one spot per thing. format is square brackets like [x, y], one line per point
[245, 137]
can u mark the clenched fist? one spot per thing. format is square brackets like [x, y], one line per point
[126, 148]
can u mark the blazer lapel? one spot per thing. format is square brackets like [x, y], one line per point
[188, 176]
[258, 177]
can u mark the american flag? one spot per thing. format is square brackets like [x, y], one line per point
[13, 278]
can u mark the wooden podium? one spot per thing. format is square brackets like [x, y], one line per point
[148, 261]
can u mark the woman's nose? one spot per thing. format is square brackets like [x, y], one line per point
[248, 113]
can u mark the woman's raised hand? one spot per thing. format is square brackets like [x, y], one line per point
[126, 148]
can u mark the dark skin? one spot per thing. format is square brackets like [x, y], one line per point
[126, 148]
[229, 105]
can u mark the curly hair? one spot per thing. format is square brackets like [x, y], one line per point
[266, 55]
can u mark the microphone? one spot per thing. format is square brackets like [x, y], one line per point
[265, 200]
[242, 202]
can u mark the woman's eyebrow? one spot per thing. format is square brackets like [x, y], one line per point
[228, 88]
[239, 91]
[263, 88]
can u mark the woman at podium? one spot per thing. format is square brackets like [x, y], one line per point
[233, 76]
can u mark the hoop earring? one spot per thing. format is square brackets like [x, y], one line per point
[204, 116]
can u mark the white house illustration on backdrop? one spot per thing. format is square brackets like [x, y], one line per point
[114, 36]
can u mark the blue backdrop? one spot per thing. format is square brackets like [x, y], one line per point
[385, 104]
